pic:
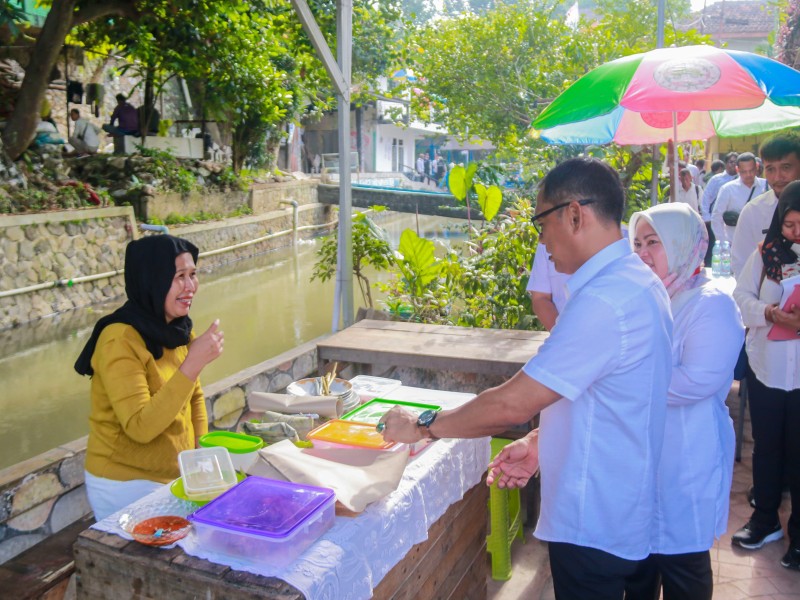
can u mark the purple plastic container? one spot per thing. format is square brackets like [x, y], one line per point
[265, 520]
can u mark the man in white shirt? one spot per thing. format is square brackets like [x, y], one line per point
[781, 157]
[733, 196]
[84, 138]
[421, 167]
[710, 197]
[688, 190]
[547, 287]
[599, 381]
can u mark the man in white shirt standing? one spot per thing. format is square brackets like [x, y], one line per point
[733, 196]
[781, 157]
[600, 383]
[710, 197]
[547, 287]
[688, 190]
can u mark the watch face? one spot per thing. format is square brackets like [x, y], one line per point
[426, 418]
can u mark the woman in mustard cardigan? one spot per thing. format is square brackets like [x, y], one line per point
[144, 361]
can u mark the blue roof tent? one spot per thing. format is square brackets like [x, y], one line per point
[35, 14]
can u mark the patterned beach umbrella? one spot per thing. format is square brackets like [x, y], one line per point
[688, 93]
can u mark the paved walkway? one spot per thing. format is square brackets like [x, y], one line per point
[738, 573]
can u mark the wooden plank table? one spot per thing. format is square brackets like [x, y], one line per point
[451, 563]
[499, 352]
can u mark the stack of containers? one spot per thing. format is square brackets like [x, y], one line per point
[206, 472]
[242, 447]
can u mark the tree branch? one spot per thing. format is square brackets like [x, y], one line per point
[125, 8]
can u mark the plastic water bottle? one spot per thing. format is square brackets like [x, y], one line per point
[716, 259]
[725, 260]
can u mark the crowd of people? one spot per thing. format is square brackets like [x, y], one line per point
[635, 444]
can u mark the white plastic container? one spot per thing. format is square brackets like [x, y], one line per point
[206, 472]
[369, 387]
[265, 521]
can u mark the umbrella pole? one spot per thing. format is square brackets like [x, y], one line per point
[673, 189]
[654, 175]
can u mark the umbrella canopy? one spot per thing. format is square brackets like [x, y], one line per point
[703, 90]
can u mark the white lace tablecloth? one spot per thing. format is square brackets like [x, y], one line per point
[356, 553]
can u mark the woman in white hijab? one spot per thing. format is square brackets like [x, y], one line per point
[694, 474]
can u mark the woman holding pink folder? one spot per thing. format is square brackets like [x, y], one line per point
[773, 378]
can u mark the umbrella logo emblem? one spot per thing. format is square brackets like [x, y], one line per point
[687, 74]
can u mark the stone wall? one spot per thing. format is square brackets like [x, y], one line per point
[268, 197]
[54, 250]
[425, 203]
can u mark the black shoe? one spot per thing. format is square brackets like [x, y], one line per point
[791, 560]
[753, 535]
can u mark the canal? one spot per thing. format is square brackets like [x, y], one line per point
[266, 305]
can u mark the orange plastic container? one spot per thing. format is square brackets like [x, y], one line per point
[349, 433]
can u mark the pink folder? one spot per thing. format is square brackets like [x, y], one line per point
[779, 333]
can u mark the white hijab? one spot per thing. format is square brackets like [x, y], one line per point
[684, 237]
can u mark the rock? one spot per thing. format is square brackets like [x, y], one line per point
[203, 172]
[35, 490]
[118, 162]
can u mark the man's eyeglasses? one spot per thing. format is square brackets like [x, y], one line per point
[535, 218]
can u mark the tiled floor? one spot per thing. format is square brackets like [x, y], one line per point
[738, 573]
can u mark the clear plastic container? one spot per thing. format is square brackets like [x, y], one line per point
[265, 521]
[206, 472]
[242, 447]
[369, 387]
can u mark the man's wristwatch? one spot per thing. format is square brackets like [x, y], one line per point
[426, 419]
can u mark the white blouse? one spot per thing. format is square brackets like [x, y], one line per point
[696, 466]
[774, 363]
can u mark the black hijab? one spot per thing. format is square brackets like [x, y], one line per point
[777, 250]
[149, 271]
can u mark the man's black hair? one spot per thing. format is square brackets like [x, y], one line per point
[745, 157]
[121, 98]
[684, 171]
[585, 178]
[700, 163]
[778, 146]
[731, 155]
[717, 166]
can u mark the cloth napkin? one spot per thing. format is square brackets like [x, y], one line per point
[358, 476]
[324, 406]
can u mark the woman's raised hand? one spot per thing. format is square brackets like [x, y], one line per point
[202, 350]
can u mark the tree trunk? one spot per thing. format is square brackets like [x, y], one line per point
[21, 127]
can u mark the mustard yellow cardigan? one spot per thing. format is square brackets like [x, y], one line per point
[144, 411]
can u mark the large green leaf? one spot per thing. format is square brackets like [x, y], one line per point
[472, 168]
[489, 199]
[457, 182]
[419, 258]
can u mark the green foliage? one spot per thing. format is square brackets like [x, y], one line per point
[462, 184]
[370, 247]
[483, 285]
[168, 170]
[64, 197]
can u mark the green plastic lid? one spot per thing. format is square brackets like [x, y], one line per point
[236, 443]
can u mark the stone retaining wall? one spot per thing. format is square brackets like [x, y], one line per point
[56, 248]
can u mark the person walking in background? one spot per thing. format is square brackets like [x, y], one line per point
[781, 157]
[145, 363]
[734, 195]
[773, 378]
[602, 412]
[696, 467]
[688, 191]
[710, 196]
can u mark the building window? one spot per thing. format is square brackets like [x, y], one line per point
[397, 155]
